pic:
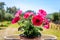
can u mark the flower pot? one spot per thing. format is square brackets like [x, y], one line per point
[43, 37]
[36, 38]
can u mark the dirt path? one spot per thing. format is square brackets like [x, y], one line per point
[7, 31]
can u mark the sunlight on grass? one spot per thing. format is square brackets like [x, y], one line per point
[14, 25]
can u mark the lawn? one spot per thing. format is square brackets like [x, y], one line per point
[52, 32]
[45, 31]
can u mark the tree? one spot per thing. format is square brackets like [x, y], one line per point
[56, 16]
[2, 11]
[11, 10]
[30, 11]
[2, 5]
[59, 15]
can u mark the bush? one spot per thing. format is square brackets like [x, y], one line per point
[8, 16]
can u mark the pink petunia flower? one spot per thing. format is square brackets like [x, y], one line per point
[46, 26]
[37, 20]
[16, 19]
[28, 14]
[46, 23]
[42, 12]
[18, 13]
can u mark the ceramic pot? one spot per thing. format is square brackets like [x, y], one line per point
[36, 38]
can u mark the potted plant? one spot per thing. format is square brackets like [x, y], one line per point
[31, 23]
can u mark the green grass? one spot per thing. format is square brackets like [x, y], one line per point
[14, 25]
[5, 23]
[52, 32]
[9, 24]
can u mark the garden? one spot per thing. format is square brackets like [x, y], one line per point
[9, 27]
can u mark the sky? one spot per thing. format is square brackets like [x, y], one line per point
[49, 6]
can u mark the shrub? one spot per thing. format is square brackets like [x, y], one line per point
[8, 16]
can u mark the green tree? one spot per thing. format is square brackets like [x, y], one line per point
[2, 10]
[31, 11]
[11, 10]
[55, 16]
[59, 16]
[2, 5]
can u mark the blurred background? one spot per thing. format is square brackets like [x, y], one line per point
[8, 9]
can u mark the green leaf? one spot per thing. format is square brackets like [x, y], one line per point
[20, 28]
[39, 28]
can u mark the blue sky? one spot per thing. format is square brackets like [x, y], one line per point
[48, 5]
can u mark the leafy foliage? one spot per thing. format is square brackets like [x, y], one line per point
[29, 30]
